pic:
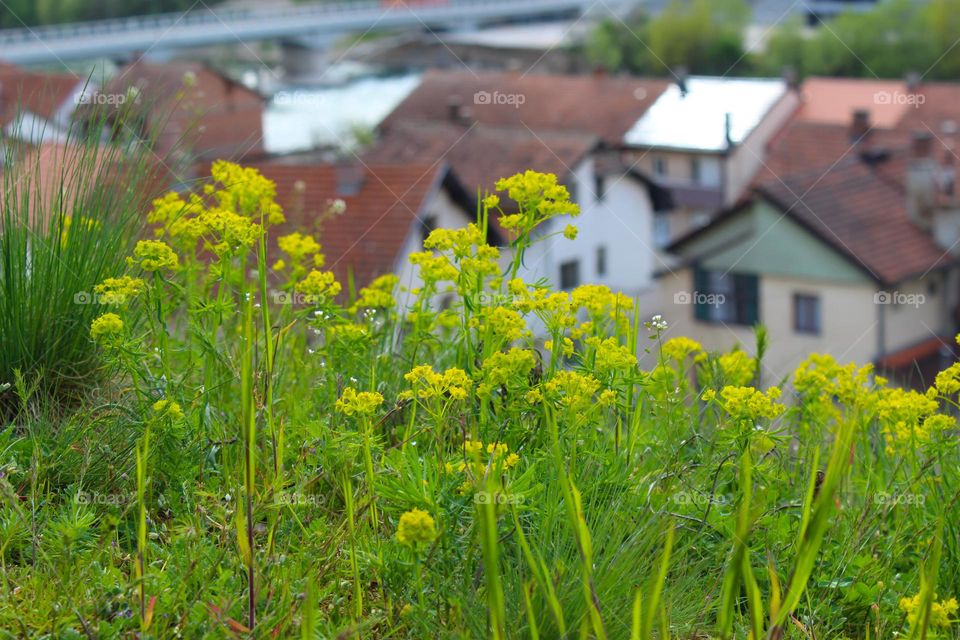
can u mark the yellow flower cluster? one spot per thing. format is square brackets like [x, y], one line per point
[947, 382]
[106, 327]
[611, 356]
[503, 323]
[908, 419]
[509, 369]
[571, 390]
[168, 409]
[416, 527]
[298, 248]
[433, 268]
[319, 286]
[377, 295]
[119, 291]
[359, 403]
[539, 198]
[737, 367]
[747, 403]
[819, 378]
[600, 301]
[427, 383]
[476, 463]
[679, 349]
[154, 255]
[941, 612]
[245, 191]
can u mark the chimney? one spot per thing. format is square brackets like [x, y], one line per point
[789, 75]
[350, 178]
[456, 112]
[682, 75]
[912, 80]
[923, 175]
[859, 125]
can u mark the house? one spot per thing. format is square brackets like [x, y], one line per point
[704, 139]
[846, 243]
[492, 125]
[384, 214]
[190, 109]
[37, 107]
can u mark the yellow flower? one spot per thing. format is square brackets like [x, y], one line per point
[427, 383]
[433, 268]
[679, 349]
[491, 201]
[572, 390]
[377, 295]
[539, 197]
[106, 328]
[504, 323]
[119, 291]
[246, 192]
[509, 369]
[570, 232]
[318, 286]
[416, 527]
[747, 403]
[168, 408]
[948, 380]
[154, 255]
[363, 403]
[941, 613]
[611, 356]
[738, 367]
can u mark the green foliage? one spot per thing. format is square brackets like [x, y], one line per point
[272, 459]
[702, 36]
[68, 215]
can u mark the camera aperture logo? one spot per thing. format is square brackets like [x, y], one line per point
[699, 298]
[485, 497]
[899, 98]
[899, 298]
[496, 98]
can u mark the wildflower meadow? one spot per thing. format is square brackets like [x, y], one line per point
[262, 451]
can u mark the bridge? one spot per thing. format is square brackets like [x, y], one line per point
[317, 21]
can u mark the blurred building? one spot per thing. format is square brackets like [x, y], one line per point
[186, 109]
[847, 242]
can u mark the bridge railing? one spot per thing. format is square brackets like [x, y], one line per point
[225, 16]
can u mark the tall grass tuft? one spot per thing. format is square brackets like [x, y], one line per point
[69, 212]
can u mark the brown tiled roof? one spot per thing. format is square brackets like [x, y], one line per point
[368, 238]
[860, 209]
[39, 93]
[213, 116]
[480, 155]
[599, 105]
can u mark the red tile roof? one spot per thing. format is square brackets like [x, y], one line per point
[598, 105]
[39, 93]
[197, 108]
[479, 154]
[367, 239]
[860, 209]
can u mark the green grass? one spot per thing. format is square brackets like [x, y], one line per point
[243, 465]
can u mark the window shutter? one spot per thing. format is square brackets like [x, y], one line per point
[748, 294]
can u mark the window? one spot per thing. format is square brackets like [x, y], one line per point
[806, 313]
[660, 165]
[599, 187]
[661, 229]
[570, 274]
[601, 261]
[427, 225]
[726, 297]
[695, 174]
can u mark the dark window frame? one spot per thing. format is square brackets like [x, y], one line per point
[741, 297]
[569, 274]
[805, 321]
